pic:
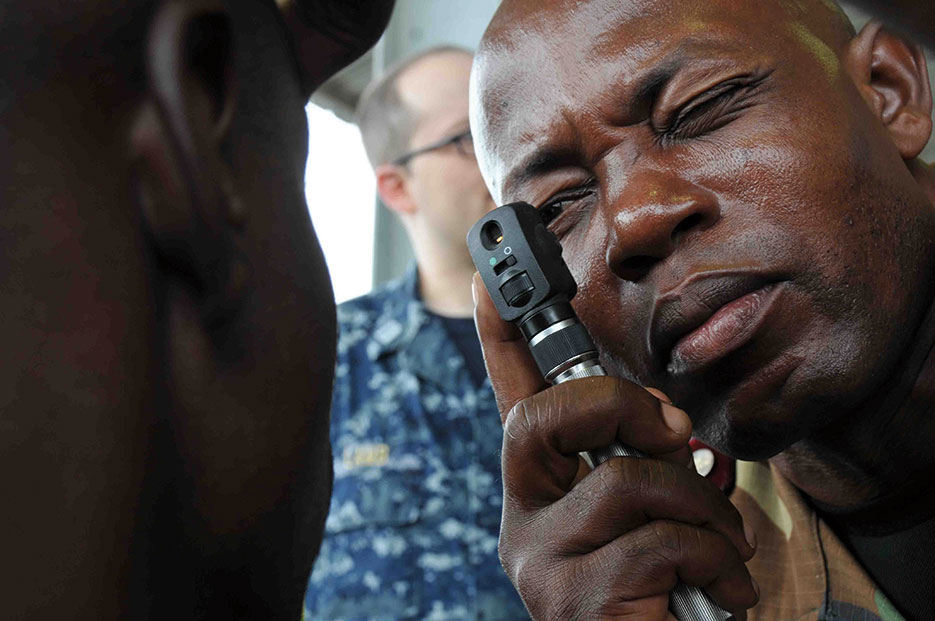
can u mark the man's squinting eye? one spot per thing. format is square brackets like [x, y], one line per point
[556, 211]
[711, 110]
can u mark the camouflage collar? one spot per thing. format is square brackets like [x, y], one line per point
[406, 327]
[401, 317]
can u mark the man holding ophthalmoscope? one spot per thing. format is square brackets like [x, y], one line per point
[737, 188]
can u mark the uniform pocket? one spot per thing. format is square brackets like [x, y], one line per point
[374, 488]
[367, 567]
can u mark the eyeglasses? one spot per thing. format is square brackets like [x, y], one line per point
[463, 142]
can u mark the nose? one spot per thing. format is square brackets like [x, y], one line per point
[651, 217]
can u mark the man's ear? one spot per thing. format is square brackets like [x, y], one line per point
[186, 190]
[393, 188]
[892, 76]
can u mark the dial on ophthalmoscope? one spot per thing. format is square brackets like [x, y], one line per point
[520, 262]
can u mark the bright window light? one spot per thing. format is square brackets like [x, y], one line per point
[341, 195]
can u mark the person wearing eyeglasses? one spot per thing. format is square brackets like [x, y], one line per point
[415, 514]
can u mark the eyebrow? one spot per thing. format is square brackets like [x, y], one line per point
[542, 161]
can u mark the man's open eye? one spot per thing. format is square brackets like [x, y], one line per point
[711, 110]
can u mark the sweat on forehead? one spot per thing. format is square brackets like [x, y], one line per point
[523, 32]
[535, 50]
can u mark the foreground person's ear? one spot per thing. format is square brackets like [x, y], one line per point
[189, 199]
[892, 76]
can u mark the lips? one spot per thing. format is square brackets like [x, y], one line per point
[706, 317]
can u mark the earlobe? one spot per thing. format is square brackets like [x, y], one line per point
[892, 77]
[161, 191]
[185, 188]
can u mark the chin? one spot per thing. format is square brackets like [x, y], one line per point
[757, 422]
[749, 440]
[749, 406]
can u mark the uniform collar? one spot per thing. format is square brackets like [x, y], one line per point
[406, 328]
[402, 315]
[800, 564]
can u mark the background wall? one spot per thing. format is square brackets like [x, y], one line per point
[416, 25]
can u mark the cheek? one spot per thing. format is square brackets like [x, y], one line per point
[608, 306]
[466, 176]
[583, 250]
[808, 195]
[444, 180]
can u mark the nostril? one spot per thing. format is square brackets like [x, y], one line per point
[688, 223]
[634, 268]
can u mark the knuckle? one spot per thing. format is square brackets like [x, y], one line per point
[550, 587]
[669, 538]
[620, 479]
[610, 480]
[510, 548]
[518, 566]
[534, 423]
[533, 582]
[655, 478]
[616, 487]
[520, 546]
[506, 556]
[518, 427]
[649, 563]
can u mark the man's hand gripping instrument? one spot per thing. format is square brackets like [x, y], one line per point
[520, 262]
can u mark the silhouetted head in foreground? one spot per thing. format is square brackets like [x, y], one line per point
[167, 316]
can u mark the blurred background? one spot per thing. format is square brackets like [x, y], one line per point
[345, 197]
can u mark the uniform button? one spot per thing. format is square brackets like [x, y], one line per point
[704, 461]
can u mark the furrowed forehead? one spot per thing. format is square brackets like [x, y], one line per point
[553, 52]
[542, 55]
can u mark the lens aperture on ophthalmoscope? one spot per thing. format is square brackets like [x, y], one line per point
[491, 235]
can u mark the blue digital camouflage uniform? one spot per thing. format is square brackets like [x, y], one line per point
[415, 513]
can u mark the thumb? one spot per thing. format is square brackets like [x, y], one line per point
[510, 365]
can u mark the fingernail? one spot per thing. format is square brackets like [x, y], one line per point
[658, 394]
[675, 419]
[474, 288]
[749, 534]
